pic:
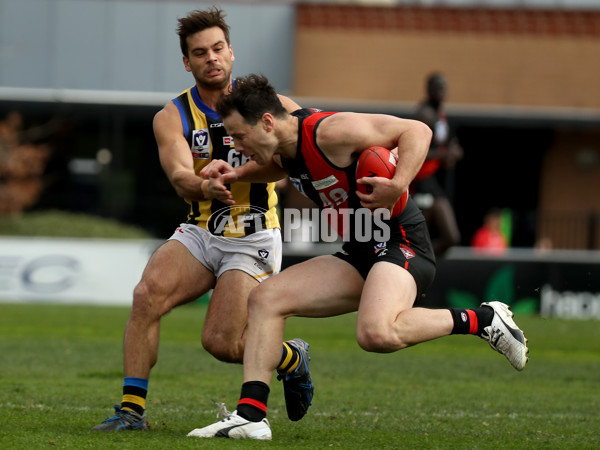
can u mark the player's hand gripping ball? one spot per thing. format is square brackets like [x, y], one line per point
[378, 162]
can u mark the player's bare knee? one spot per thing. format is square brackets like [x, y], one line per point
[260, 301]
[374, 339]
[371, 342]
[230, 350]
[147, 302]
[141, 298]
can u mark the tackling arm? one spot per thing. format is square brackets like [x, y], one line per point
[219, 174]
[175, 157]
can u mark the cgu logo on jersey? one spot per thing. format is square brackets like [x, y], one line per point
[200, 144]
[325, 182]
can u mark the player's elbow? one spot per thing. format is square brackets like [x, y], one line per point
[423, 131]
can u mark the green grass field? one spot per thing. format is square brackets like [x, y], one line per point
[60, 374]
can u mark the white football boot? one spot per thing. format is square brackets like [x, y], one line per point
[235, 427]
[504, 335]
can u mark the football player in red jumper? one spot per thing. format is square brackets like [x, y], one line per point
[381, 279]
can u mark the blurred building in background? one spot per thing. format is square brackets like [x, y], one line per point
[524, 96]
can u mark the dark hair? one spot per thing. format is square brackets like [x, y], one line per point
[199, 20]
[252, 96]
[435, 77]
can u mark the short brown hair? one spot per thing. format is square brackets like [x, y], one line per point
[199, 20]
[252, 96]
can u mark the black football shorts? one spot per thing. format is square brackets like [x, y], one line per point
[409, 247]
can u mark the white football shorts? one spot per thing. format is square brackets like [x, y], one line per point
[259, 254]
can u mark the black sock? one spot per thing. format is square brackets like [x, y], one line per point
[253, 401]
[471, 321]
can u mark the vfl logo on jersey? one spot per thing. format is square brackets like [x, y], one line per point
[407, 251]
[228, 140]
[200, 144]
[263, 254]
[380, 249]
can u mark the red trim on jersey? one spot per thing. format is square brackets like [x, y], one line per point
[473, 323]
[334, 188]
[403, 231]
[255, 403]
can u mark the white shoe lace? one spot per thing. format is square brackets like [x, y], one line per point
[222, 411]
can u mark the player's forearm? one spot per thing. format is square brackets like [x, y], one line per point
[254, 173]
[189, 186]
[413, 147]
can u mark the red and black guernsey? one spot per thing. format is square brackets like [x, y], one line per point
[328, 185]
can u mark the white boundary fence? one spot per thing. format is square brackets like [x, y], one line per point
[85, 271]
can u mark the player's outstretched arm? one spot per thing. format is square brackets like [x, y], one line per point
[174, 154]
[250, 172]
[219, 174]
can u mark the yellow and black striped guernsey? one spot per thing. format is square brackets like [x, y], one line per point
[255, 207]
